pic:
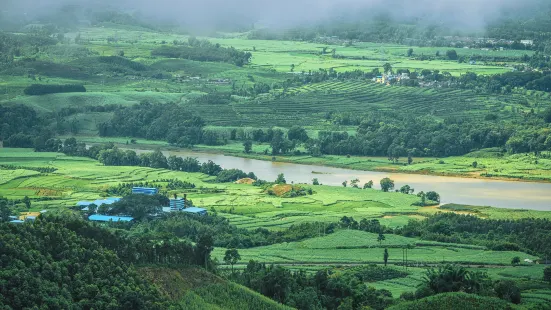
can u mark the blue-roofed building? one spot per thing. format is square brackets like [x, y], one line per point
[145, 190]
[84, 203]
[195, 210]
[30, 218]
[177, 204]
[98, 202]
[108, 218]
[17, 222]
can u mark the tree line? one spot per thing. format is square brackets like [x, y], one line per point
[203, 50]
[45, 89]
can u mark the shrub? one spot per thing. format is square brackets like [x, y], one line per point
[41, 89]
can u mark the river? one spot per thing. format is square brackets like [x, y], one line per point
[468, 191]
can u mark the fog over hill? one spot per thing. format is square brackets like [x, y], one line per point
[465, 14]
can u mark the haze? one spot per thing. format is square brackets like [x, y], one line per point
[465, 14]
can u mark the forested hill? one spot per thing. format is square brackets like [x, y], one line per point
[57, 263]
[533, 22]
[48, 266]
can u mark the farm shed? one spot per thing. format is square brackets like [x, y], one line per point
[196, 210]
[107, 218]
[17, 222]
[29, 215]
[177, 204]
[145, 190]
[98, 202]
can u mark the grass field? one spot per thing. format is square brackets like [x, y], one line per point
[357, 247]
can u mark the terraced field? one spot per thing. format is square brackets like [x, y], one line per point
[308, 105]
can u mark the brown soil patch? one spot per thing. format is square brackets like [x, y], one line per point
[245, 181]
[281, 189]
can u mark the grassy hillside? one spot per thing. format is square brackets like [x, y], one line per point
[194, 288]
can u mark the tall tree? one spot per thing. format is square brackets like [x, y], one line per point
[385, 256]
[232, 257]
[27, 202]
[247, 146]
[381, 238]
[547, 274]
[204, 246]
[387, 184]
[387, 67]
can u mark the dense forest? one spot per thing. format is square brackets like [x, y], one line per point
[46, 265]
[530, 235]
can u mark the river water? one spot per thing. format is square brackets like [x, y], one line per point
[469, 191]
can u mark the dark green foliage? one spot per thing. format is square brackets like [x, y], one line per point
[170, 122]
[434, 196]
[387, 184]
[135, 249]
[280, 179]
[5, 211]
[125, 189]
[225, 234]
[547, 115]
[247, 146]
[20, 126]
[324, 290]
[531, 235]
[452, 55]
[231, 257]
[451, 278]
[213, 98]
[455, 301]
[116, 157]
[211, 168]
[44, 89]
[204, 51]
[138, 206]
[45, 265]
[508, 290]
[114, 61]
[297, 133]
[175, 184]
[231, 175]
[374, 273]
[547, 274]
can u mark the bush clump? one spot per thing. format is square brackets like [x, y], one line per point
[42, 89]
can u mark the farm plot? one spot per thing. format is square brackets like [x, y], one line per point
[8, 175]
[330, 250]
[308, 105]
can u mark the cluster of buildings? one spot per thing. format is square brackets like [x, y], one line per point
[26, 217]
[388, 78]
[175, 205]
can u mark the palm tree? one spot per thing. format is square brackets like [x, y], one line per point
[449, 278]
